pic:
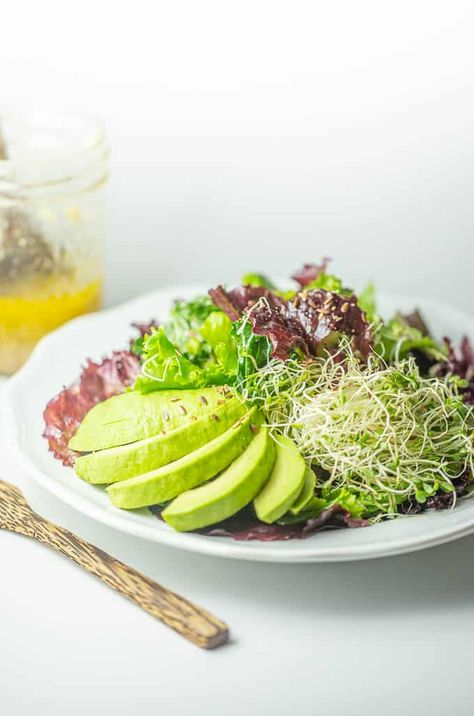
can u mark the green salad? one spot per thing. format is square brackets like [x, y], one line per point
[263, 412]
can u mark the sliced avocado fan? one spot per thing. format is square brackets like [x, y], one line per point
[132, 416]
[228, 493]
[191, 470]
[284, 484]
[124, 461]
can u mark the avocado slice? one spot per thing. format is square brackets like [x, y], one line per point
[191, 470]
[229, 492]
[124, 461]
[306, 494]
[133, 416]
[284, 484]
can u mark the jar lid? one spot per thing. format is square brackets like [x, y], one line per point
[51, 152]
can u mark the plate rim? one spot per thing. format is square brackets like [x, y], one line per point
[221, 546]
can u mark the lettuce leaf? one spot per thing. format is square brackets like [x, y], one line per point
[183, 327]
[253, 352]
[309, 273]
[217, 332]
[368, 303]
[164, 367]
[396, 339]
[329, 282]
[258, 279]
[459, 366]
[341, 497]
[315, 276]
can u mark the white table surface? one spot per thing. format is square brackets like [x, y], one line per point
[391, 636]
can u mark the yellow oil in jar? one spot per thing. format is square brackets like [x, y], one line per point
[33, 308]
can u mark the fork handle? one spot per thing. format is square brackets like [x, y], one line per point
[194, 623]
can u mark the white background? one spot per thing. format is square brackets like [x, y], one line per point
[255, 135]
[260, 134]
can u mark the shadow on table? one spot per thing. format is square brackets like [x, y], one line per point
[434, 578]
[441, 577]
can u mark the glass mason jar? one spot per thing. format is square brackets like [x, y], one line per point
[53, 171]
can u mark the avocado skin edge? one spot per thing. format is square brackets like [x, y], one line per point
[228, 493]
[191, 470]
[126, 461]
[284, 484]
[306, 494]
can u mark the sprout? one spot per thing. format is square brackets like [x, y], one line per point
[383, 433]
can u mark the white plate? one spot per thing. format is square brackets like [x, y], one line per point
[56, 362]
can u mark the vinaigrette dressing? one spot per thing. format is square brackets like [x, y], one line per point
[53, 171]
[36, 308]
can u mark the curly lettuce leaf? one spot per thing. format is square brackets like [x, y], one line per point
[328, 282]
[458, 367]
[396, 339]
[183, 327]
[259, 280]
[310, 272]
[342, 497]
[217, 332]
[164, 367]
[368, 303]
[400, 336]
[253, 352]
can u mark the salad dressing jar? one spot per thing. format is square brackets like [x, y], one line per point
[53, 171]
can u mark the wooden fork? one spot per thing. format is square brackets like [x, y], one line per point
[189, 620]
